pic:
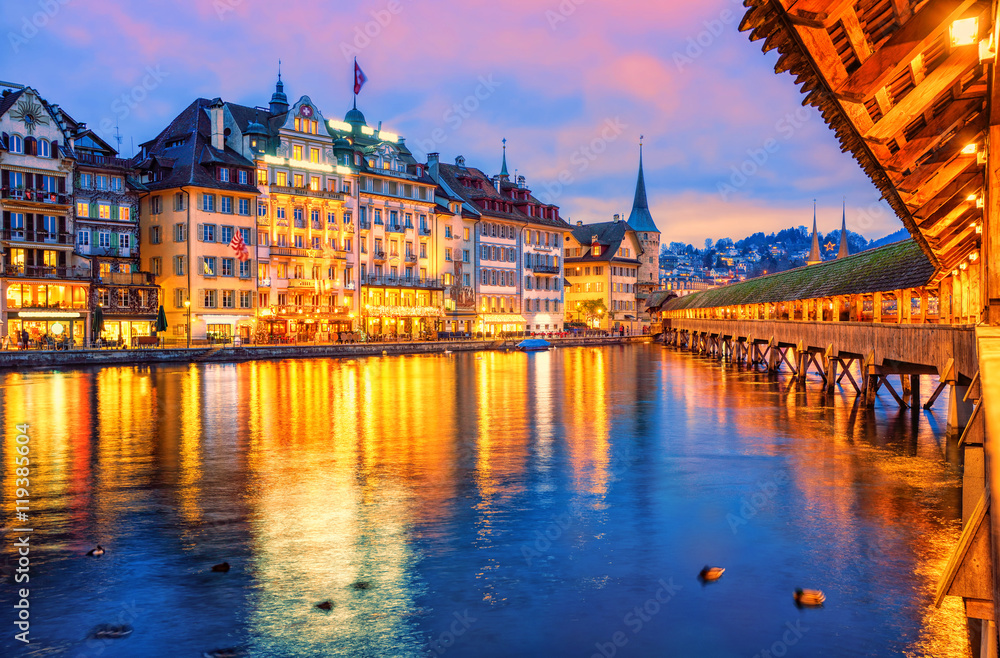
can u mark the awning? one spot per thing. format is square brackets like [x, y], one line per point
[510, 318]
[630, 317]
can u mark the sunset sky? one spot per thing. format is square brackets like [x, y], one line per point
[571, 85]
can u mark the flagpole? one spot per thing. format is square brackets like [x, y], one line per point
[355, 74]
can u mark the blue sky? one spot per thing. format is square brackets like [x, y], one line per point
[572, 84]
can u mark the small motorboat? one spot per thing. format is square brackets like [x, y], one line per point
[534, 345]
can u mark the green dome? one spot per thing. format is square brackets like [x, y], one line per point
[355, 117]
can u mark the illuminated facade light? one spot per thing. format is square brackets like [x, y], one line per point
[971, 197]
[980, 203]
[339, 125]
[341, 169]
[48, 314]
[964, 31]
[973, 256]
[386, 136]
[969, 149]
[979, 228]
[963, 266]
[367, 131]
[987, 49]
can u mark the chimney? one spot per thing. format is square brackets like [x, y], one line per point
[579, 222]
[215, 114]
[593, 239]
[521, 182]
[617, 217]
[496, 182]
[433, 160]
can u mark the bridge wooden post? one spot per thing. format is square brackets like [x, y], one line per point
[870, 379]
[876, 307]
[773, 356]
[830, 363]
[802, 359]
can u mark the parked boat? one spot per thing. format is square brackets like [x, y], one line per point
[534, 345]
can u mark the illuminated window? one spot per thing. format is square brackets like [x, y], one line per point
[314, 155]
[299, 180]
[104, 211]
[281, 178]
[82, 209]
[296, 152]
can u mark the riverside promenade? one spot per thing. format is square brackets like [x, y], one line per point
[22, 359]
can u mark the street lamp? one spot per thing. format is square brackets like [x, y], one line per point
[187, 306]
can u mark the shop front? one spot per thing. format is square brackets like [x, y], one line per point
[501, 324]
[402, 322]
[223, 328]
[326, 325]
[52, 314]
[125, 329]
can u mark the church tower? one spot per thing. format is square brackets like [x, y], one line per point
[642, 223]
[814, 256]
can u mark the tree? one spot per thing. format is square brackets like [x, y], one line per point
[592, 308]
[708, 243]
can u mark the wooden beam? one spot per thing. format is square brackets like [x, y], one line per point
[934, 179]
[819, 12]
[908, 42]
[958, 113]
[921, 96]
[953, 194]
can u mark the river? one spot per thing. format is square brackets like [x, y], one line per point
[495, 504]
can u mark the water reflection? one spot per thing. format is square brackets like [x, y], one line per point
[542, 495]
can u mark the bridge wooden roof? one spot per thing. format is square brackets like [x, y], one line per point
[900, 97]
[892, 267]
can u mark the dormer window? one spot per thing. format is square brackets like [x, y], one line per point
[596, 250]
[224, 174]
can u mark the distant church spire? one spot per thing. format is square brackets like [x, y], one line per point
[844, 247]
[503, 170]
[814, 257]
[640, 220]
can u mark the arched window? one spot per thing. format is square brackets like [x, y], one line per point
[16, 144]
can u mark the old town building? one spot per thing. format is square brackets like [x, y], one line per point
[514, 236]
[307, 234]
[602, 263]
[400, 265]
[45, 285]
[106, 218]
[201, 194]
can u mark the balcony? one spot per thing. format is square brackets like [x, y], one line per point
[293, 251]
[40, 237]
[425, 230]
[126, 278]
[545, 269]
[46, 272]
[316, 225]
[290, 309]
[378, 256]
[365, 225]
[401, 281]
[340, 254]
[264, 283]
[96, 160]
[34, 196]
[303, 283]
[106, 252]
[348, 227]
[411, 258]
[396, 228]
[305, 191]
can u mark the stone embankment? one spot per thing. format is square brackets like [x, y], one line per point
[22, 359]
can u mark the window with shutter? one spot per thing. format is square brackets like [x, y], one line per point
[201, 232]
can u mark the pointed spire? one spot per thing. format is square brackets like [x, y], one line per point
[844, 247]
[640, 220]
[503, 170]
[814, 256]
[279, 101]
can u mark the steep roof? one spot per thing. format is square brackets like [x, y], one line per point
[610, 236]
[892, 267]
[658, 298]
[188, 162]
[640, 219]
[844, 250]
[487, 192]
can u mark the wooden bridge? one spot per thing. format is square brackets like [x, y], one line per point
[908, 87]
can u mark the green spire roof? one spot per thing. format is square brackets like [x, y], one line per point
[503, 170]
[640, 220]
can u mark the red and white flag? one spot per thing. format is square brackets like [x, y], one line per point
[359, 78]
[240, 247]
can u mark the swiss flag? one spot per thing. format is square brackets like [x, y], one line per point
[359, 78]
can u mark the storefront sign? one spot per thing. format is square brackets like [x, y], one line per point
[48, 314]
[404, 311]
